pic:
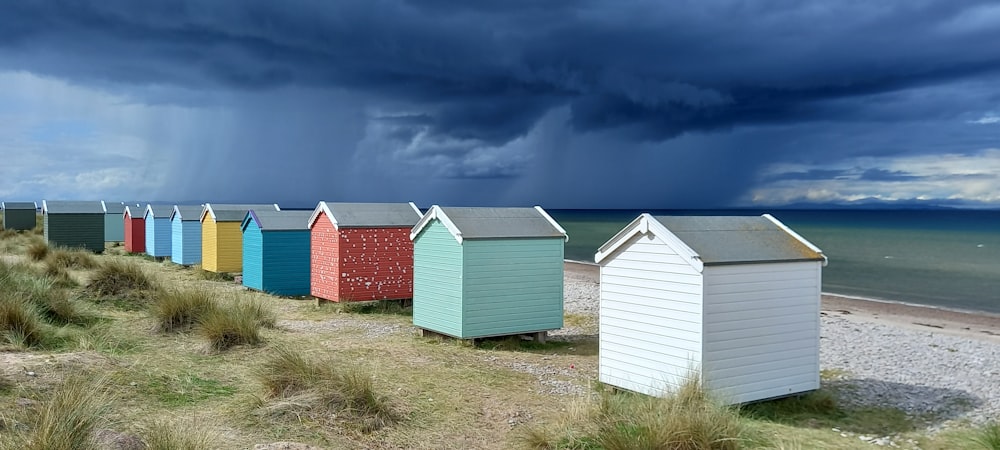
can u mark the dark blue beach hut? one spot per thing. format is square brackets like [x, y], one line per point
[19, 215]
[276, 251]
[158, 234]
[185, 234]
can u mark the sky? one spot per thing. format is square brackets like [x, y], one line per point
[643, 104]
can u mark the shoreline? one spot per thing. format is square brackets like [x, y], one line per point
[971, 324]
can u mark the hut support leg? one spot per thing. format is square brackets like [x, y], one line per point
[540, 336]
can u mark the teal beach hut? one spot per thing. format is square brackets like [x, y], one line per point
[74, 224]
[482, 272]
[114, 226]
[185, 234]
[276, 251]
[158, 233]
[19, 215]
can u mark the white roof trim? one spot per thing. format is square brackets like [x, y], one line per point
[148, 211]
[104, 207]
[552, 221]
[207, 209]
[436, 213]
[324, 208]
[45, 208]
[642, 225]
[414, 206]
[796, 236]
[128, 212]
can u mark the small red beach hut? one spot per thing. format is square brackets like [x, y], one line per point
[362, 251]
[135, 229]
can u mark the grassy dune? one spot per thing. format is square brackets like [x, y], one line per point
[123, 348]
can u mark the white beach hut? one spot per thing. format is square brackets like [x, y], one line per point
[734, 298]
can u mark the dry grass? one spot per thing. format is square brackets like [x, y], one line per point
[324, 390]
[122, 283]
[232, 324]
[19, 323]
[38, 250]
[71, 259]
[65, 421]
[190, 435]
[180, 309]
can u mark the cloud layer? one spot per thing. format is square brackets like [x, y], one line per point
[634, 103]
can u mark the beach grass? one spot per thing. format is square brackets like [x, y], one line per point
[337, 379]
[67, 420]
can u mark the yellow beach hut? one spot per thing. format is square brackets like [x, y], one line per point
[221, 236]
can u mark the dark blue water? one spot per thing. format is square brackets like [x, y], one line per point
[944, 258]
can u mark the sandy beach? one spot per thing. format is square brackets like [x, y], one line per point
[940, 365]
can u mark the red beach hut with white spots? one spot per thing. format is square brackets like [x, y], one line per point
[362, 251]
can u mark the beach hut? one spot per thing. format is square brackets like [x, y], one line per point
[221, 238]
[135, 229]
[74, 224]
[114, 226]
[482, 272]
[276, 251]
[158, 233]
[19, 215]
[735, 299]
[362, 251]
[185, 234]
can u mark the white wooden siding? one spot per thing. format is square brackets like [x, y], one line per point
[651, 317]
[761, 329]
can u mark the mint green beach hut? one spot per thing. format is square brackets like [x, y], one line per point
[484, 272]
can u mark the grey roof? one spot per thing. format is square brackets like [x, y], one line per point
[737, 239]
[160, 211]
[236, 212]
[281, 220]
[134, 211]
[116, 208]
[188, 212]
[359, 215]
[19, 205]
[72, 207]
[487, 223]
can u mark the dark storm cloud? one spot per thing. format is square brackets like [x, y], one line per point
[888, 175]
[489, 70]
[809, 175]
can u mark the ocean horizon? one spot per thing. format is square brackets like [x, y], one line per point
[943, 258]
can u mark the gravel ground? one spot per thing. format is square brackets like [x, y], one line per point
[932, 375]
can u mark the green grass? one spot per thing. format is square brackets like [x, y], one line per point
[299, 387]
[214, 276]
[180, 309]
[820, 409]
[987, 437]
[184, 390]
[65, 421]
[20, 326]
[392, 307]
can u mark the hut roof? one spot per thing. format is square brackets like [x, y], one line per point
[221, 212]
[133, 211]
[720, 240]
[278, 220]
[187, 212]
[158, 211]
[367, 215]
[492, 223]
[116, 208]
[72, 207]
[19, 205]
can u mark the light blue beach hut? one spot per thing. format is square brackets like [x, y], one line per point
[276, 251]
[482, 272]
[185, 234]
[158, 234]
[114, 227]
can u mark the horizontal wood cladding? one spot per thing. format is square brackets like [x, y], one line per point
[84, 231]
[185, 241]
[135, 235]
[357, 264]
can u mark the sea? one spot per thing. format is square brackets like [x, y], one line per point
[944, 258]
